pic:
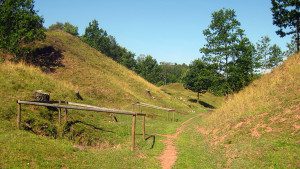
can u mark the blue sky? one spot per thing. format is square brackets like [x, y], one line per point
[169, 30]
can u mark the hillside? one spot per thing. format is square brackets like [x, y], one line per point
[207, 100]
[88, 139]
[258, 127]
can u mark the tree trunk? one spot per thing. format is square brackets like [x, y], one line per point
[40, 96]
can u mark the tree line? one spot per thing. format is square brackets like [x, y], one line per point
[229, 62]
[144, 65]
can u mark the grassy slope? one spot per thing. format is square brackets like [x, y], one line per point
[189, 97]
[92, 140]
[256, 128]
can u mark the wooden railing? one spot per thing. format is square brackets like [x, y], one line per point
[141, 104]
[78, 106]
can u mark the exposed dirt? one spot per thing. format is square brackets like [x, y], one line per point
[169, 155]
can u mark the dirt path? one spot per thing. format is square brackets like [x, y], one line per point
[169, 155]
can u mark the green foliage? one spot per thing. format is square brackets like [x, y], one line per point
[291, 48]
[148, 68]
[267, 56]
[19, 25]
[67, 27]
[98, 38]
[172, 73]
[230, 51]
[276, 56]
[201, 76]
[286, 15]
[56, 26]
[73, 30]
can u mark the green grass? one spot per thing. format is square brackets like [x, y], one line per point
[256, 128]
[193, 151]
[93, 140]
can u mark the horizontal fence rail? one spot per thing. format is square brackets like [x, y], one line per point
[92, 108]
[152, 106]
[78, 106]
[141, 104]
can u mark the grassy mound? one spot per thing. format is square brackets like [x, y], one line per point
[207, 100]
[258, 127]
[87, 139]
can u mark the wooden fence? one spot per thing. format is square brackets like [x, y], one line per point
[141, 104]
[77, 106]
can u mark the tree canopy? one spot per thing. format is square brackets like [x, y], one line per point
[148, 68]
[230, 50]
[286, 15]
[201, 76]
[19, 25]
[99, 39]
[67, 27]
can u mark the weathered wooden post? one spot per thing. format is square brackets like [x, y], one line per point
[144, 127]
[133, 131]
[19, 116]
[66, 115]
[59, 112]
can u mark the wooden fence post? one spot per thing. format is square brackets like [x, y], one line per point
[144, 127]
[66, 115]
[59, 113]
[133, 131]
[19, 116]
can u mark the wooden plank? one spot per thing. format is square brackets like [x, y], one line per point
[82, 105]
[153, 106]
[104, 110]
[133, 132]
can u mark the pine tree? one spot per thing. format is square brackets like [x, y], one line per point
[286, 15]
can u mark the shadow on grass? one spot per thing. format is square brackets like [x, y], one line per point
[69, 124]
[47, 58]
[153, 140]
[206, 105]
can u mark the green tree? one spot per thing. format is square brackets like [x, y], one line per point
[93, 35]
[98, 38]
[148, 68]
[56, 26]
[275, 58]
[127, 59]
[286, 15]
[221, 35]
[71, 29]
[227, 47]
[291, 48]
[262, 52]
[267, 55]
[19, 25]
[201, 77]
[67, 27]
[172, 72]
[241, 71]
